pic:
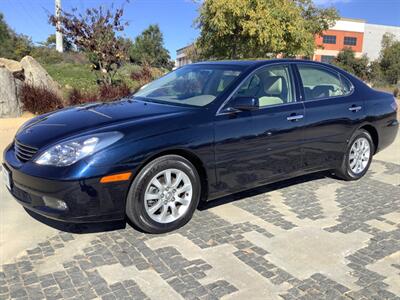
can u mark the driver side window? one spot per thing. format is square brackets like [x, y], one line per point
[272, 85]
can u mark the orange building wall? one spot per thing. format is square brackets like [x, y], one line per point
[340, 40]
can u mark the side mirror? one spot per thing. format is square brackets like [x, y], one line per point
[245, 103]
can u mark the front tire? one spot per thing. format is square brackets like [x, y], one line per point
[358, 156]
[164, 195]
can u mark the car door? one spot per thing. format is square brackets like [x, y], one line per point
[254, 147]
[331, 112]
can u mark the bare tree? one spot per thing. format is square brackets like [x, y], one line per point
[94, 32]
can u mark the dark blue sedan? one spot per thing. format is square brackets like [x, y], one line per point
[201, 132]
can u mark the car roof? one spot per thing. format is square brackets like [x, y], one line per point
[248, 63]
[228, 62]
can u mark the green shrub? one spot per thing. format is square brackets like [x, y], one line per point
[347, 60]
[75, 57]
[46, 55]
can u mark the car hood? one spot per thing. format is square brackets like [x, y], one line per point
[49, 128]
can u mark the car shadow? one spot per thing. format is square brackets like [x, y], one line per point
[84, 228]
[263, 189]
[80, 228]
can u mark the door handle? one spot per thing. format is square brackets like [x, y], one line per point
[295, 117]
[355, 108]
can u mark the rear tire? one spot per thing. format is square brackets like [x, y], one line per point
[358, 156]
[157, 202]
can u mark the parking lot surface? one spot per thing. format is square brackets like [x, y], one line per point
[314, 237]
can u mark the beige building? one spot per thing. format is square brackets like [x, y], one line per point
[363, 38]
[181, 58]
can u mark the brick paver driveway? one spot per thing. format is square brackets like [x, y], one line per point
[310, 238]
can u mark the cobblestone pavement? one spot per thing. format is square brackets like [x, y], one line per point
[310, 238]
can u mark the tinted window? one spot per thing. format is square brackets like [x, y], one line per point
[350, 41]
[271, 85]
[321, 83]
[226, 79]
[329, 39]
[346, 84]
[196, 85]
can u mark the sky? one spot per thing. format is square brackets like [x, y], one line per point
[175, 17]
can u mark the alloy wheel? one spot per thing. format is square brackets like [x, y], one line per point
[359, 155]
[168, 196]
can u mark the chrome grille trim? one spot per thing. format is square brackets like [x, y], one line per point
[24, 152]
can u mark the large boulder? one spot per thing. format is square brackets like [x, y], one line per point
[37, 76]
[10, 87]
[13, 66]
[13, 75]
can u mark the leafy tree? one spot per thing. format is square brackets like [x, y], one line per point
[375, 72]
[22, 46]
[390, 59]
[260, 28]
[95, 32]
[5, 39]
[316, 20]
[51, 43]
[127, 44]
[192, 52]
[347, 60]
[148, 48]
[12, 45]
[387, 41]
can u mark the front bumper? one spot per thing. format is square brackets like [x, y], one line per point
[86, 200]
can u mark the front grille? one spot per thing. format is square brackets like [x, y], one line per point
[24, 152]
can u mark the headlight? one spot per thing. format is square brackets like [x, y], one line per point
[69, 152]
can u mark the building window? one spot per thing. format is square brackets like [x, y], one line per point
[350, 41]
[327, 58]
[329, 39]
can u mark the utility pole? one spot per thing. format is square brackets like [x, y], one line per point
[59, 37]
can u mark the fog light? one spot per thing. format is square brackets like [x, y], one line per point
[55, 203]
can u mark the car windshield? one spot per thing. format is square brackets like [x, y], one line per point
[196, 85]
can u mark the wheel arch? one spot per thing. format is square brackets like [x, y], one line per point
[374, 134]
[190, 156]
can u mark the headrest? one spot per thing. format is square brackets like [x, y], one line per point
[321, 91]
[226, 80]
[273, 85]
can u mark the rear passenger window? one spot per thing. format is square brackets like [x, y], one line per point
[347, 85]
[319, 83]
